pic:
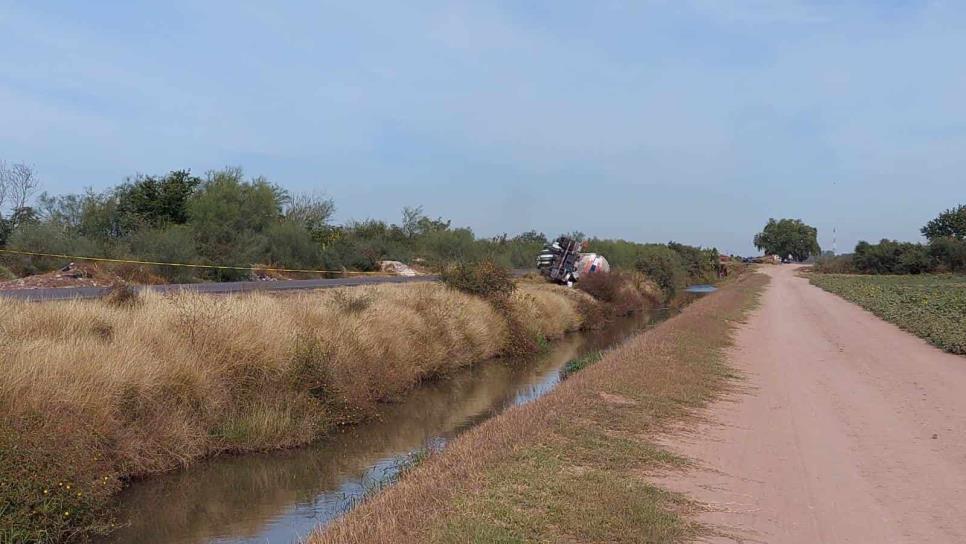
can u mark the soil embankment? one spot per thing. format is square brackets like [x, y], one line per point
[848, 429]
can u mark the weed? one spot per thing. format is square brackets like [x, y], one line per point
[580, 363]
[122, 296]
[352, 302]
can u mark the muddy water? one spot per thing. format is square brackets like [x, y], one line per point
[280, 497]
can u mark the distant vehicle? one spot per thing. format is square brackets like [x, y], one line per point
[562, 262]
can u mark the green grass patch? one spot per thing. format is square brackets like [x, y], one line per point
[930, 306]
[579, 363]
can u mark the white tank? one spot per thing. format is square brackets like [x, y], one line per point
[590, 263]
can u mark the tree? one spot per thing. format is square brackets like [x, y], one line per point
[229, 216]
[788, 237]
[152, 201]
[532, 237]
[949, 224]
[19, 183]
[312, 212]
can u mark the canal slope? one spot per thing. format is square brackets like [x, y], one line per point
[572, 466]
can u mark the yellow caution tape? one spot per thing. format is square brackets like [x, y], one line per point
[183, 265]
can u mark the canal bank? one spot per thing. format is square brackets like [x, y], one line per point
[283, 496]
[572, 466]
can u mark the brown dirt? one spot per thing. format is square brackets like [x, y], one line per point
[847, 429]
[72, 275]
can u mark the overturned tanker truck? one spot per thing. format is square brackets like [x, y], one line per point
[563, 262]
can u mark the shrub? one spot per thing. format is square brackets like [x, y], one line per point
[123, 296]
[604, 286]
[484, 278]
[664, 266]
[699, 263]
[174, 244]
[6, 274]
[839, 264]
[617, 290]
[949, 254]
[891, 257]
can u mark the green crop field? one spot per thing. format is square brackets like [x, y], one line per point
[930, 306]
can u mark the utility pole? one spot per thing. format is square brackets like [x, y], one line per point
[835, 249]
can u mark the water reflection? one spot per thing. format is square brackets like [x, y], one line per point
[282, 496]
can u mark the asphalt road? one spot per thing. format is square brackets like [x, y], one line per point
[68, 293]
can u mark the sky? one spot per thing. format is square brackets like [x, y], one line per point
[656, 120]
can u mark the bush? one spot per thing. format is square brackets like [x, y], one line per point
[700, 263]
[6, 274]
[891, 257]
[174, 244]
[949, 254]
[484, 279]
[840, 264]
[618, 290]
[47, 238]
[664, 266]
[123, 296]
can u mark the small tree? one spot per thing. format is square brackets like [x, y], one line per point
[788, 237]
[949, 224]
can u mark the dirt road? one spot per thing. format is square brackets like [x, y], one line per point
[847, 429]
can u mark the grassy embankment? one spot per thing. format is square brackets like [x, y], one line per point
[572, 466]
[94, 392]
[930, 306]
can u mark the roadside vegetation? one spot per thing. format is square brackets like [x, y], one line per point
[930, 306]
[572, 466]
[227, 219]
[944, 252]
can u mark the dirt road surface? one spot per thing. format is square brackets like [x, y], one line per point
[846, 429]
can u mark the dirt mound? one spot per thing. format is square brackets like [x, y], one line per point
[397, 268]
[72, 275]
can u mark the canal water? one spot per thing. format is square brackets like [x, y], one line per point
[282, 496]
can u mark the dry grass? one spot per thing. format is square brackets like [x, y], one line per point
[94, 391]
[571, 466]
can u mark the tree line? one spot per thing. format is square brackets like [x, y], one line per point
[225, 218]
[944, 251]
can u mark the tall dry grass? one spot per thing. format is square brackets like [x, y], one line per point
[94, 391]
[574, 465]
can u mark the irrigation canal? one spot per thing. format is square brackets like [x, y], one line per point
[280, 497]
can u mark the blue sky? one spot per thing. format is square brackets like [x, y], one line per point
[652, 120]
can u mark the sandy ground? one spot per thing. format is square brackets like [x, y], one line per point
[847, 429]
